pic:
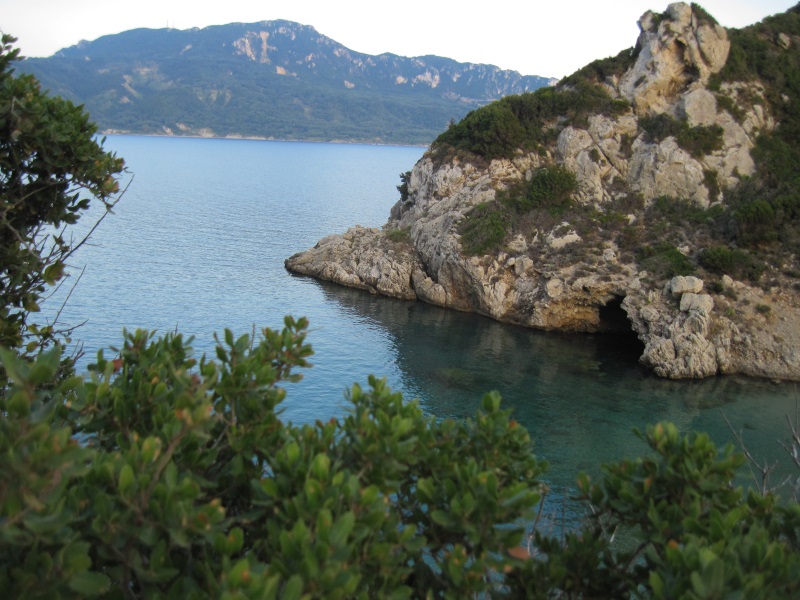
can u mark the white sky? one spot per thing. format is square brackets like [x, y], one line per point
[551, 38]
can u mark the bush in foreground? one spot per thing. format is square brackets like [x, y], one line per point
[161, 475]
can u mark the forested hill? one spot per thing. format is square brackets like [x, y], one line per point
[274, 79]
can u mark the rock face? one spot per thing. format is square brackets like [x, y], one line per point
[674, 49]
[549, 277]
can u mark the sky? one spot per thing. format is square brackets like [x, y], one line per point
[551, 38]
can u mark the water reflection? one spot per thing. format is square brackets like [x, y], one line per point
[579, 395]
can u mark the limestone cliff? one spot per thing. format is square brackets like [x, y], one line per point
[596, 267]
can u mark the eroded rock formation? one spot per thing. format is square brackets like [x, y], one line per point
[552, 279]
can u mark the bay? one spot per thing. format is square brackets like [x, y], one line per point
[197, 244]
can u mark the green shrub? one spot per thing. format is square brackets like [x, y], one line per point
[756, 56]
[679, 211]
[726, 103]
[403, 187]
[400, 235]
[712, 184]
[664, 261]
[599, 71]
[736, 262]
[660, 127]
[697, 141]
[525, 121]
[550, 188]
[485, 228]
[190, 483]
[702, 15]
[701, 140]
[692, 539]
[51, 167]
[755, 222]
[626, 144]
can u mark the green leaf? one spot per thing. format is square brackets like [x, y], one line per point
[235, 540]
[657, 584]
[426, 489]
[491, 402]
[440, 517]
[341, 529]
[90, 583]
[47, 523]
[321, 466]
[126, 478]
[293, 588]
[698, 584]
[292, 453]
[16, 369]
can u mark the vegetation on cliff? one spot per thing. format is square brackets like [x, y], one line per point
[766, 208]
[757, 220]
[524, 122]
[548, 193]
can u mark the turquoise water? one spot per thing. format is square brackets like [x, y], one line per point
[198, 243]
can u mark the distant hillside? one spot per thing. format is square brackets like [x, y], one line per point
[274, 79]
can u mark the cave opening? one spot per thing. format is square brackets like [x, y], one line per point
[614, 321]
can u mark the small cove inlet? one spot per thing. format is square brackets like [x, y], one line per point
[198, 244]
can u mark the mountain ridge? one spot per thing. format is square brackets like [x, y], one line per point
[271, 79]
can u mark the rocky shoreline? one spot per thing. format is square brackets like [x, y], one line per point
[553, 279]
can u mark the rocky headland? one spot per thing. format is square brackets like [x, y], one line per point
[644, 212]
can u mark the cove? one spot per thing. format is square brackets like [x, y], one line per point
[198, 243]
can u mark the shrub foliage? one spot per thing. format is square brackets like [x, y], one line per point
[161, 475]
[525, 121]
[488, 225]
[50, 167]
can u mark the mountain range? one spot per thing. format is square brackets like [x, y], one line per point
[273, 79]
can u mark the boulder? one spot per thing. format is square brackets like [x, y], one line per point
[680, 285]
[697, 302]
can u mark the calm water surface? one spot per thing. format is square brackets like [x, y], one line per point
[198, 243]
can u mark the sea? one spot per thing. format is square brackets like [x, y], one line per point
[197, 244]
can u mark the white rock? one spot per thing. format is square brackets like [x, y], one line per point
[699, 106]
[522, 266]
[682, 285]
[518, 245]
[558, 242]
[666, 169]
[697, 302]
[555, 287]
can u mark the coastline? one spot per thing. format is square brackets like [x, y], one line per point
[107, 132]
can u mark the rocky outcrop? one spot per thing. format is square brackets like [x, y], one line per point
[555, 275]
[676, 49]
[362, 259]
